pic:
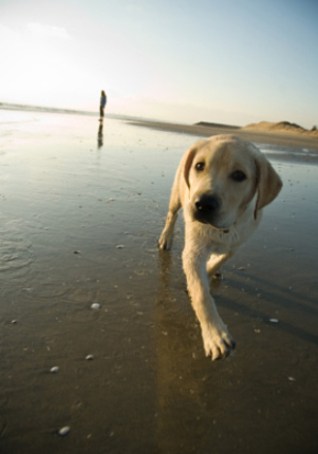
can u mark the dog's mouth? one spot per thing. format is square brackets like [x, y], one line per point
[213, 223]
[206, 209]
[204, 219]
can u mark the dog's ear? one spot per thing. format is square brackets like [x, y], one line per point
[268, 183]
[188, 163]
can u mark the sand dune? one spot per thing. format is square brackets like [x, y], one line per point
[282, 126]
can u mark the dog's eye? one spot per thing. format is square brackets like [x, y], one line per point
[238, 176]
[199, 166]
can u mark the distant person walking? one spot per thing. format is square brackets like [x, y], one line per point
[102, 104]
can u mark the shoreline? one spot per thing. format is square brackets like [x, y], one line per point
[285, 139]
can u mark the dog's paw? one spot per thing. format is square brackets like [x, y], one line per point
[214, 274]
[217, 341]
[164, 242]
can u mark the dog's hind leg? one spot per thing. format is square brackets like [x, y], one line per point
[213, 266]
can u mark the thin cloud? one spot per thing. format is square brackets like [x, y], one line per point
[48, 31]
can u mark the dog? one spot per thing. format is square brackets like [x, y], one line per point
[222, 184]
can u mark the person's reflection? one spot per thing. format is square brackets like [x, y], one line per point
[100, 135]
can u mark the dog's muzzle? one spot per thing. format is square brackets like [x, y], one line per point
[207, 208]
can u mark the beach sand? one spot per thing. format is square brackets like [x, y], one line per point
[82, 205]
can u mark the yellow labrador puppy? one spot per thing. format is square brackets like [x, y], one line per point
[222, 184]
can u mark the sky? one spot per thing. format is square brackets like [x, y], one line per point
[224, 61]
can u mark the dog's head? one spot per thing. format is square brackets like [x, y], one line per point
[224, 174]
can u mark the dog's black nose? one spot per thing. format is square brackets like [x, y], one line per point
[207, 204]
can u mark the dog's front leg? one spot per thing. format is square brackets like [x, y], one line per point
[165, 239]
[217, 341]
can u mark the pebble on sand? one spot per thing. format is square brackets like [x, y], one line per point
[63, 431]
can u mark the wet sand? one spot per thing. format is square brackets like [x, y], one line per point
[81, 210]
[281, 139]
